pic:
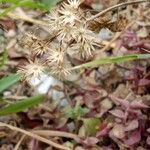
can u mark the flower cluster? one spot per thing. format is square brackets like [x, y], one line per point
[32, 70]
[72, 33]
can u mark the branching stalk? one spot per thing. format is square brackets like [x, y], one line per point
[115, 7]
[35, 136]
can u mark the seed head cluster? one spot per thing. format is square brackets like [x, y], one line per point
[32, 70]
[72, 34]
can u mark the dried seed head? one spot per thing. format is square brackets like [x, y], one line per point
[68, 17]
[81, 34]
[66, 33]
[31, 70]
[35, 44]
[61, 70]
[71, 13]
[72, 4]
[40, 47]
[29, 40]
[69, 24]
[54, 20]
[68, 14]
[84, 50]
[56, 57]
[85, 42]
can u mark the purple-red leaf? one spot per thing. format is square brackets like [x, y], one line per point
[148, 140]
[118, 131]
[90, 141]
[138, 105]
[144, 82]
[103, 132]
[134, 124]
[118, 113]
[134, 138]
[120, 101]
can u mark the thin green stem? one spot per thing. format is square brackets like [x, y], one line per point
[110, 60]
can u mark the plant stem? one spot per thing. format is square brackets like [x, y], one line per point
[115, 7]
[35, 136]
[28, 19]
[110, 60]
[56, 133]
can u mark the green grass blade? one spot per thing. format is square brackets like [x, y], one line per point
[22, 3]
[6, 82]
[50, 3]
[3, 60]
[10, 1]
[21, 105]
[110, 60]
[143, 56]
[7, 10]
[32, 4]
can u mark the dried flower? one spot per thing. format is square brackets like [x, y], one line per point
[84, 50]
[41, 47]
[69, 22]
[31, 70]
[35, 44]
[54, 20]
[85, 41]
[82, 34]
[72, 4]
[29, 40]
[56, 57]
[68, 17]
[66, 33]
[61, 70]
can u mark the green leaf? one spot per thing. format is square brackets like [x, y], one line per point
[75, 113]
[10, 1]
[50, 3]
[32, 4]
[91, 126]
[7, 10]
[22, 3]
[26, 3]
[3, 59]
[143, 56]
[6, 82]
[21, 105]
[110, 60]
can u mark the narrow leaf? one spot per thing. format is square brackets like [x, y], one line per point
[21, 105]
[110, 60]
[22, 3]
[4, 58]
[50, 3]
[7, 10]
[6, 82]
